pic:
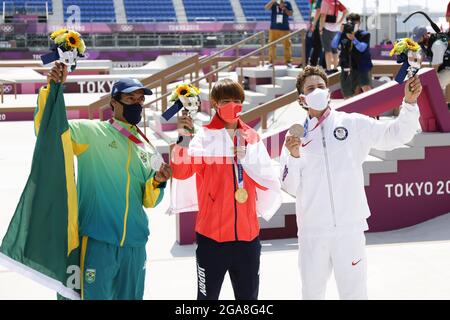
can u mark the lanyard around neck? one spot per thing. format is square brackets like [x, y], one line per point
[237, 166]
[129, 135]
[321, 119]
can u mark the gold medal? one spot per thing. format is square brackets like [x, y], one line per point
[241, 195]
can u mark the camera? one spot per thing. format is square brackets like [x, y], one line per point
[349, 27]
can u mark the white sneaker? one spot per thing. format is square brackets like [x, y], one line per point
[289, 65]
[269, 66]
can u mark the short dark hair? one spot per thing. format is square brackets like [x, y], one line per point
[227, 89]
[307, 72]
[116, 97]
[354, 17]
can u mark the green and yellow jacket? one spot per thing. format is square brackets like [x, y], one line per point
[114, 180]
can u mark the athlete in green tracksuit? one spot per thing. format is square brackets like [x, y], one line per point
[115, 180]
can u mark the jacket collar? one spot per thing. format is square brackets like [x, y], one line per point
[131, 128]
[250, 135]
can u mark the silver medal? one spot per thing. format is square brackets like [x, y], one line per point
[156, 161]
[297, 131]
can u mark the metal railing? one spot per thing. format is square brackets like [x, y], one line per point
[150, 19]
[193, 65]
[170, 41]
[190, 66]
[262, 111]
[29, 7]
[236, 46]
[159, 79]
[239, 62]
[214, 59]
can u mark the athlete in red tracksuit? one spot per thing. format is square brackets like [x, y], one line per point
[227, 157]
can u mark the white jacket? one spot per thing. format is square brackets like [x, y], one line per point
[328, 179]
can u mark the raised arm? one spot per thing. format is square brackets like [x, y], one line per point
[58, 74]
[387, 135]
[287, 9]
[269, 5]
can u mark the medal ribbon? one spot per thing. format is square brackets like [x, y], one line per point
[133, 138]
[126, 133]
[321, 119]
[129, 135]
[238, 168]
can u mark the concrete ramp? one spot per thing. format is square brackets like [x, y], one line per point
[20, 75]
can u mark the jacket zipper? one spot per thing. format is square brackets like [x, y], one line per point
[330, 189]
[127, 195]
[235, 206]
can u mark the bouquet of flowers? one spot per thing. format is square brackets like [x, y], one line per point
[409, 53]
[184, 90]
[403, 45]
[185, 96]
[67, 47]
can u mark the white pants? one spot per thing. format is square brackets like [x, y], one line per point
[343, 253]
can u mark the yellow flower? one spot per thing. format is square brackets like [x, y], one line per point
[73, 40]
[183, 90]
[196, 90]
[412, 45]
[395, 50]
[82, 47]
[403, 46]
[61, 39]
[57, 33]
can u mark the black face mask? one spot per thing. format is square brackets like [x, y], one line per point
[132, 112]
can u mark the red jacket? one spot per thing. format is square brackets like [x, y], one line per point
[220, 216]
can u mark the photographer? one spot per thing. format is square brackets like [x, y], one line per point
[436, 48]
[279, 27]
[355, 59]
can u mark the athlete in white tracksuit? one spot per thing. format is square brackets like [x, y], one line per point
[327, 180]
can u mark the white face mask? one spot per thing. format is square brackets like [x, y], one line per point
[318, 99]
